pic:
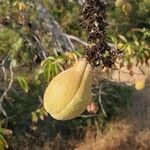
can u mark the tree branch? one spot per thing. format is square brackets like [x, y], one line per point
[72, 37]
[6, 89]
[100, 102]
[51, 25]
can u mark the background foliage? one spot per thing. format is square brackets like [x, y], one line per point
[29, 51]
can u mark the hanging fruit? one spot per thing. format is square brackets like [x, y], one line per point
[69, 93]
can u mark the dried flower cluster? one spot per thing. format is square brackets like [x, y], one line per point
[94, 22]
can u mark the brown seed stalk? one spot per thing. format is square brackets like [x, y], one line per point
[98, 53]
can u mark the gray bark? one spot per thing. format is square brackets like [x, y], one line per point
[51, 25]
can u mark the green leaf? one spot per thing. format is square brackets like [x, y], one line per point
[23, 83]
[123, 38]
[3, 142]
[34, 117]
[14, 63]
[16, 46]
[47, 72]
[1, 147]
[53, 70]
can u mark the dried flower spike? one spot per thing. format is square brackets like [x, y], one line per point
[94, 22]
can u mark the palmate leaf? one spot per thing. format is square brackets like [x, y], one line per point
[23, 83]
[51, 67]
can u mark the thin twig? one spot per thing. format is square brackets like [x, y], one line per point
[51, 25]
[141, 70]
[7, 88]
[89, 116]
[100, 102]
[42, 48]
[72, 37]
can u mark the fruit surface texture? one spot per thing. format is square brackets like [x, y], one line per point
[69, 93]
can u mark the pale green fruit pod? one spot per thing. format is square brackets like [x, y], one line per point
[69, 93]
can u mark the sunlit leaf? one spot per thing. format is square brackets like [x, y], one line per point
[127, 8]
[14, 63]
[123, 38]
[3, 141]
[34, 117]
[22, 6]
[41, 117]
[23, 83]
[5, 131]
[17, 44]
